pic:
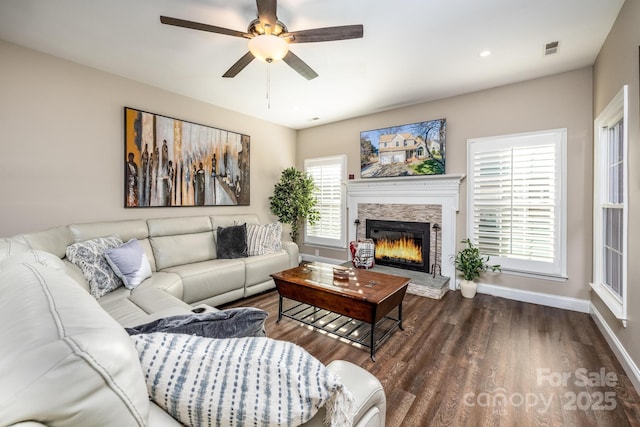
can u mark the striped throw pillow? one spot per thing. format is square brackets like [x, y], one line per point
[239, 381]
[264, 239]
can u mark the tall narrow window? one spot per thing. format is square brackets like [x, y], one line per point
[516, 201]
[610, 206]
[328, 174]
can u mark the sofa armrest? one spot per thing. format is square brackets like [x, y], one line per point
[292, 249]
[370, 400]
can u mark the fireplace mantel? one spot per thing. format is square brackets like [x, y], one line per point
[440, 190]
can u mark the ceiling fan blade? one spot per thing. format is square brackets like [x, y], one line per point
[344, 32]
[300, 66]
[202, 27]
[267, 12]
[239, 65]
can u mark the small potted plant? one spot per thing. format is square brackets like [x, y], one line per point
[471, 264]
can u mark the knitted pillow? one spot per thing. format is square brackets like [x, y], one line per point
[89, 256]
[239, 381]
[264, 239]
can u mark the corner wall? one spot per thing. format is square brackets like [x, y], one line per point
[61, 152]
[559, 101]
[617, 65]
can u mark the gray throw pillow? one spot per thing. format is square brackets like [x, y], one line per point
[232, 242]
[231, 323]
[130, 263]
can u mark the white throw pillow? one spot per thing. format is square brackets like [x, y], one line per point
[89, 256]
[129, 262]
[239, 381]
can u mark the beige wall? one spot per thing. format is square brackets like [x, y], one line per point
[617, 65]
[560, 101]
[61, 152]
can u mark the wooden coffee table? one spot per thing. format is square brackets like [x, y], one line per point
[356, 308]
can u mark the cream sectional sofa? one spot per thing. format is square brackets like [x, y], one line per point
[182, 254]
[66, 358]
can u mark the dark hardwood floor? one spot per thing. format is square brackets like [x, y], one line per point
[487, 361]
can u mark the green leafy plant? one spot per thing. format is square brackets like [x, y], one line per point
[293, 201]
[471, 264]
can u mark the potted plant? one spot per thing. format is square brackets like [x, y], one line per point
[293, 201]
[471, 264]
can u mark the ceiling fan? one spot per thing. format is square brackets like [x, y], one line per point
[269, 38]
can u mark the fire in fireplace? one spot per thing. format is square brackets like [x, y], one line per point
[401, 244]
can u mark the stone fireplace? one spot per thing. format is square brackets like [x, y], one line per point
[428, 199]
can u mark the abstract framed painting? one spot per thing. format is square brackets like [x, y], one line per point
[171, 162]
[407, 150]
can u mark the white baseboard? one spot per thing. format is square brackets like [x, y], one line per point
[567, 303]
[624, 358]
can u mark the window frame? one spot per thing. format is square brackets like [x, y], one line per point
[617, 110]
[556, 270]
[341, 242]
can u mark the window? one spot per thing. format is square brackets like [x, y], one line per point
[516, 201]
[328, 174]
[610, 206]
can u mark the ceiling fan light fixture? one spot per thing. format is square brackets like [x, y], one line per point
[268, 47]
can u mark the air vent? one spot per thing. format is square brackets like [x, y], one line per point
[551, 48]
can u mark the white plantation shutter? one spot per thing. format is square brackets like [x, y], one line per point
[515, 191]
[328, 174]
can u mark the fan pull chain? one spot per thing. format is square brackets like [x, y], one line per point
[268, 84]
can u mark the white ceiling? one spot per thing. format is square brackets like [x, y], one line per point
[412, 51]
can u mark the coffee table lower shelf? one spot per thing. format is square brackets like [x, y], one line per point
[365, 334]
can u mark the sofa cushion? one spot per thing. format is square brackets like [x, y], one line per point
[231, 242]
[264, 239]
[129, 262]
[240, 381]
[33, 257]
[125, 229]
[181, 249]
[231, 323]
[168, 282]
[202, 280]
[63, 360]
[89, 256]
[235, 219]
[258, 269]
[54, 240]
[10, 246]
[179, 225]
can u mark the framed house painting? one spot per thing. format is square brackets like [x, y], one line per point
[413, 149]
[172, 162]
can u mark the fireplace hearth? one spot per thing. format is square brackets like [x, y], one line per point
[401, 244]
